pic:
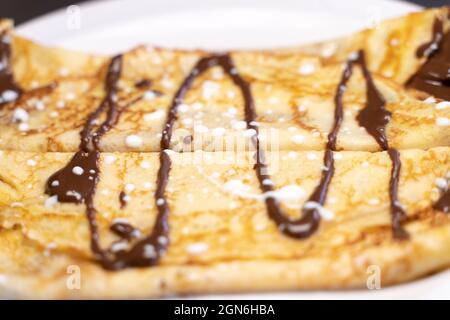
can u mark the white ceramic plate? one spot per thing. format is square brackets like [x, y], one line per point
[112, 26]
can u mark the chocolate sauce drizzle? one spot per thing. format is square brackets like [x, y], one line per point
[71, 186]
[123, 199]
[374, 117]
[9, 90]
[434, 75]
[443, 203]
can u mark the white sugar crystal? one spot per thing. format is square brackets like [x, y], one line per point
[239, 125]
[16, 204]
[231, 94]
[147, 185]
[109, 159]
[145, 165]
[373, 201]
[444, 122]
[121, 220]
[441, 183]
[64, 72]
[249, 133]
[430, 100]
[197, 248]
[288, 193]
[20, 115]
[129, 187]
[298, 139]
[337, 156]
[183, 108]
[217, 74]
[9, 95]
[199, 128]
[31, 162]
[149, 95]
[443, 105]
[156, 60]
[328, 50]
[353, 55]
[292, 154]
[274, 100]
[218, 132]
[118, 246]
[324, 213]
[167, 83]
[394, 42]
[187, 122]
[53, 114]
[332, 200]
[55, 183]
[209, 89]
[169, 152]
[388, 73]
[73, 193]
[301, 108]
[133, 141]
[149, 251]
[23, 126]
[158, 114]
[60, 104]
[306, 69]
[232, 111]
[236, 186]
[78, 170]
[51, 201]
[311, 156]
[160, 202]
[215, 175]
[39, 105]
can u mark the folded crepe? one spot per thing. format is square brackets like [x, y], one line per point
[411, 50]
[294, 108]
[158, 172]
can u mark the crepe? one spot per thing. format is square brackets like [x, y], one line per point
[391, 46]
[221, 237]
[161, 172]
[294, 110]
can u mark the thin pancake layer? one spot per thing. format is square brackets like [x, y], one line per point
[222, 223]
[391, 46]
[294, 111]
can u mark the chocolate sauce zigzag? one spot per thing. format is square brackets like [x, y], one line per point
[299, 228]
[77, 181]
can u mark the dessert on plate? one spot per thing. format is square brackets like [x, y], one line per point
[158, 172]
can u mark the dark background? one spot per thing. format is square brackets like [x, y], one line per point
[23, 10]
